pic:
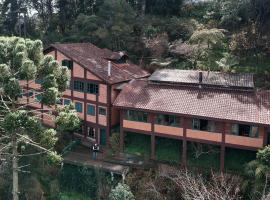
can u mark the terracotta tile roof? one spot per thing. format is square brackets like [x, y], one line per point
[213, 103]
[243, 80]
[96, 60]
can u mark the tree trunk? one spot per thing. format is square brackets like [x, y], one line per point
[143, 4]
[15, 191]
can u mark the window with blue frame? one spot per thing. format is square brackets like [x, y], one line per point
[29, 94]
[92, 88]
[38, 81]
[78, 107]
[78, 86]
[91, 110]
[60, 101]
[38, 98]
[67, 101]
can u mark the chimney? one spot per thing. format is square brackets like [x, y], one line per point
[200, 77]
[109, 68]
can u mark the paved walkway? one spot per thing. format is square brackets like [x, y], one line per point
[82, 156]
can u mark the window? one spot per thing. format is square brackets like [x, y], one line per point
[78, 107]
[92, 88]
[29, 94]
[78, 86]
[38, 81]
[245, 130]
[168, 120]
[91, 110]
[22, 94]
[102, 111]
[59, 101]
[38, 98]
[91, 132]
[136, 116]
[67, 101]
[67, 63]
[203, 125]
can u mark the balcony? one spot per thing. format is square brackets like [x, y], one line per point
[168, 130]
[137, 125]
[244, 141]
[204, 135]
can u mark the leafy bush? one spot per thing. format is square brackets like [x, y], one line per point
[121, 192]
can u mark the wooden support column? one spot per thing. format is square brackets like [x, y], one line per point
[222, 148]
[153, 138]
[121, 132]
[85, 108]
[153, 147]
[265, 136]
[109, 114]
[184, 149]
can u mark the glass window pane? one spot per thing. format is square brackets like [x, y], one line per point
[91, 110]
[78, 107]
[66, 101]
[102, 111]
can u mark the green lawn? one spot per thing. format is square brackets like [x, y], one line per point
[235, 159]
[73, 196]
[206, 160]
[138, 144]
[168, 150]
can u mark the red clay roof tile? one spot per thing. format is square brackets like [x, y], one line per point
[96, 60]
[234, 105]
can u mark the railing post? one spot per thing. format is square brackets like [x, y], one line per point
[121, 132]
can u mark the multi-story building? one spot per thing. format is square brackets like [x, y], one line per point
[97, 76]
[205, 107]
[215, 108]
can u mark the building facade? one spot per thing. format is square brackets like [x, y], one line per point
[96, 75]
[215, 109]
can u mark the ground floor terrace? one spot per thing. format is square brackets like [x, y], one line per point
[190, 140]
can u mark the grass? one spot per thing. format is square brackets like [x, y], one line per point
[138, 144]
[205, 160]
[168, 150]
[73, 196]
[235, 159]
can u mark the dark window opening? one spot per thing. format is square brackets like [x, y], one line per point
[91, 133]
[245, 130]
[78, 86]
[203, 125]
[67, 63]
[102, 111]
[168, 120]
[92, 88]
[136, 116]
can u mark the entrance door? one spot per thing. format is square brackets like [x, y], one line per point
[103, 136]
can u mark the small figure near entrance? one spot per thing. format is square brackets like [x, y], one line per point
[95, 149]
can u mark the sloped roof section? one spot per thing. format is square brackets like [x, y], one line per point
[213, 103]
[241, 80]
[96, 60]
